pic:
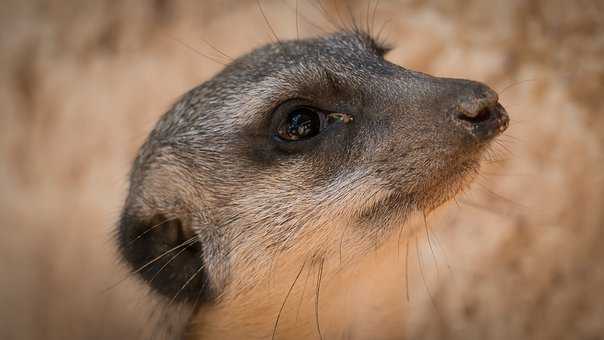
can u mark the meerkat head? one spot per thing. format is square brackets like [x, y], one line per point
[288, 144]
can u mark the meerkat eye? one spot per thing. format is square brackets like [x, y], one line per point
[306, 122]
[302, 123]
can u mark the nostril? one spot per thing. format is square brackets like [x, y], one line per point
[485, 123]
[477, 111]
[476, 117]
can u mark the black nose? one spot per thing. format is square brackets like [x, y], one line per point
[479, 112]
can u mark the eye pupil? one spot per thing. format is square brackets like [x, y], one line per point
[301, 123]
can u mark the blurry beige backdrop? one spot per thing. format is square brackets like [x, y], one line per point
[82, 83]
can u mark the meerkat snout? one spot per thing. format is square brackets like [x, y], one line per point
[479, 112]
[288, 148]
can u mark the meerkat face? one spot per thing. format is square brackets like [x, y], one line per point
[287, 143]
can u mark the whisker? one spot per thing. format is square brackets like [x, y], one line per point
[342, 241]
[382, 27]
[430, 243]
[318, 291]
[516, 83]
[377, 3]
[484, 208]
[297, 26]
[353, 19]
[497, 161]
[183, 244]
[513, 138]
[218, 50]
[285, 300]
[338, 16]
[318, 5]
[502, 144]
[500, 197]
[407, 271]
[400, 235]
[440, 246]
[421, 271]
[166, 264]
[368, 9]
[197, 298]
[313, 24]
[456, 202]
[500, 149]
[149, 230]
[302, 295]
[494, 174]
[193, 49]
[346, 228]
[199, 270]
[267, 21]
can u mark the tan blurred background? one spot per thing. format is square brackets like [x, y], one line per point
[82, 82]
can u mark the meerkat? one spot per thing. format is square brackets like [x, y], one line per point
[256, 198]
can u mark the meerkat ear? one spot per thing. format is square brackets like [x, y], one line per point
[166, 252]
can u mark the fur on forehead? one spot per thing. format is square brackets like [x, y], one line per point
[268, 75]
[342, 49]
[353, 41]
